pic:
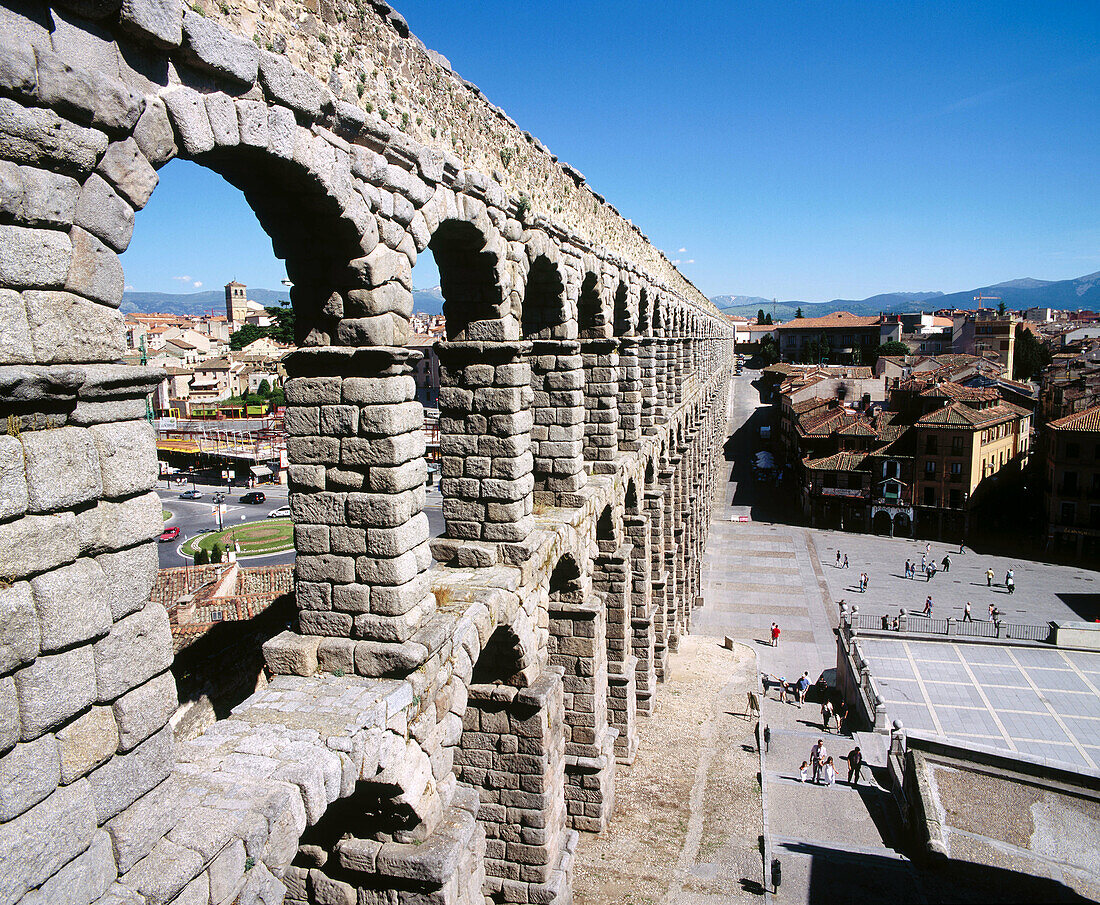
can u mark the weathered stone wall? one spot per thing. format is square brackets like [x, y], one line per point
[350, 775]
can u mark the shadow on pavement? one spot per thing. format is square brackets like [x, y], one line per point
[838, 877]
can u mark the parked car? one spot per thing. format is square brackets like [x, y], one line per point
[170, 534]
[253, 496]
[191, 495]
[281, 512]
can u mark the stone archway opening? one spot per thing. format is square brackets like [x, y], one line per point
[468, 281]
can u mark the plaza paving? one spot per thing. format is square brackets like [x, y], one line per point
[1033, 701]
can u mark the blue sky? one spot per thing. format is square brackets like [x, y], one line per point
[799, 150]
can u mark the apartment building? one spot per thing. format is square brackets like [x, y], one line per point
[1072, 488]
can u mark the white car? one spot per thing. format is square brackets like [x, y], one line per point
[281, 512]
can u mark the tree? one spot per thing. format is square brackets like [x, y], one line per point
[893, 347]
[760, 316]
[201, 557]
[282, 330]
[1030, 357]
[277, 399]
[798, 313]
[248, 333]
[1001, 308]
[264, 389]
[216, 552]
[769, 352]
[768, 319]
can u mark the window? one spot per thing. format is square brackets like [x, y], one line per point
[930, 445]
[1069, 482]
[1073, 450]
[956, 498]
[956, 446]
[855, 482]
[929, 496]
[1094, 516]
[930, 469]
[890, 469]
[1069, 513]
[892, 490]
[830, 479]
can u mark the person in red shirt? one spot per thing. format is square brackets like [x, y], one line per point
[775, 635]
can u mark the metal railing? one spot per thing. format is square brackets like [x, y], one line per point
[914, 623]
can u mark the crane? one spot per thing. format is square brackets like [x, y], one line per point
[979, 298]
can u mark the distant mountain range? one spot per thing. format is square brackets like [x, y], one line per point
[1081, 293]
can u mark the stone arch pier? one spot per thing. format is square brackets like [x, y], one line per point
[444, 715]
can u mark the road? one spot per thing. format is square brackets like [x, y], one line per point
[196, 517]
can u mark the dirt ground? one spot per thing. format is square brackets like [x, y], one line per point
[688, 819]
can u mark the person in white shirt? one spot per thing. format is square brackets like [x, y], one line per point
[830, 772]
[803, 772]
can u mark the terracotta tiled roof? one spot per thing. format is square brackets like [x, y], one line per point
[1088, 420]
[808, 405]
[841, 461]
[957, 393]
[958, 414]
[858, 428]
[836, 319]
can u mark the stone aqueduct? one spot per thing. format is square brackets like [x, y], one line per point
[444, 715]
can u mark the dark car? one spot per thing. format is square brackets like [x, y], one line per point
[253, 496]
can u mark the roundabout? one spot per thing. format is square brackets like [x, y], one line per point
[253, 538]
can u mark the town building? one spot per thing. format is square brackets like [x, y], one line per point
[1071, 497]
[850, 339]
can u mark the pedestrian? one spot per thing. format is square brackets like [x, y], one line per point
[928, 605]
[782, 690]
[922, 561]
[1010, 583]
[818, 754]
[966, 613]
[775, 635]
[946, 563]
[830, 772]
[803, 771]
[928, 548]
[826, 714]
[931, 573]
[962, 548]
[803, 688]
[845, 560]
[842, 718]
[992, 612]
[838, 559]
[866, 580]
[989, 577]
[855, 763]
[907, 567]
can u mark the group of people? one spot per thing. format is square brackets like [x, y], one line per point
[789, 692]
[820, 766]
[1010, 579]
[864, 578]
[830, 714]
[838, 563]
[927, 568]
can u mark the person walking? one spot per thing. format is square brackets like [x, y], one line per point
[946, 563]
[803, 771]
[838, 559]
[1010, 583]
[830, 772]
[826, 714]
[845, 560]
[841, 718]
[922, 562]
[928, 605]
[855, 764]
[966, 613]
[989, 577]
[931, 573]
[803, 688]
[818, 754]
[908, 566]
[992, 612]
[775, 635]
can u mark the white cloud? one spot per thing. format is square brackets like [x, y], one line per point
[690, 261]
[183, 279]
[197, 284]
[681, 250]
[676, 262]
[128, 288]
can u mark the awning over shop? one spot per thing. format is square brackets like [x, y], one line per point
[260, 471]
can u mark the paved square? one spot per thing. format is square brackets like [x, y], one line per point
[1034, 701]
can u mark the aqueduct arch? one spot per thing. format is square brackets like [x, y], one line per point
[380, 758]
